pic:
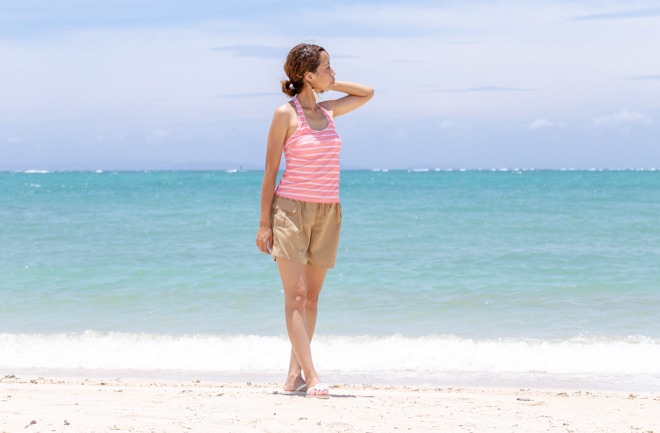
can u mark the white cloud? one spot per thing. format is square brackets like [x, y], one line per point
[162, 133]
[540, 123]
[621, 119]
[453, 127]
[545, 123]
[14, 140]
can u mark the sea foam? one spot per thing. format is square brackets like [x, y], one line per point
[429, 354]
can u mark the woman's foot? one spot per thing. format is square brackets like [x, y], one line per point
[293, 383]
[317, 389]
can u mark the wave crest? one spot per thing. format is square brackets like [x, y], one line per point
[396, 353]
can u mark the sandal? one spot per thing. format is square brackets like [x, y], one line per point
[298, 391]
[318, 391]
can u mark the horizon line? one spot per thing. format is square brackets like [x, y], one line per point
[385, 170]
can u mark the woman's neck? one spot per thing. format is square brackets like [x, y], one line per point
[306, 99]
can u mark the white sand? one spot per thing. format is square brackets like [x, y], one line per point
[80, 405]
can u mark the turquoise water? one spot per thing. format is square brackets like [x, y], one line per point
[435, 259]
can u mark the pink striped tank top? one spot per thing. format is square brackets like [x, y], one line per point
[312, 162]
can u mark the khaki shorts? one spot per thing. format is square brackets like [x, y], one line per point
[305, 232]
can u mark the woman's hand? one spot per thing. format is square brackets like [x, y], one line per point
[353, 89]
[265, 239]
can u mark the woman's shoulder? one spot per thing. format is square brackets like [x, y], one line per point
[286, 110]
[286, 118]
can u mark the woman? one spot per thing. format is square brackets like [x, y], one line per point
[301, 218]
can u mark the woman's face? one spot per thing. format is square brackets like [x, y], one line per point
[324, 77]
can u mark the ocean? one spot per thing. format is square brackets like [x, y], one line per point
[485, 278]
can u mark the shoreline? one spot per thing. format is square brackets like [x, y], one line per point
[180, 405]
[625, 383]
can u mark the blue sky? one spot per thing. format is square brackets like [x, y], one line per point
[469, 84]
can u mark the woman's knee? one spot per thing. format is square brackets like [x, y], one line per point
[297, 297]
[312, 301]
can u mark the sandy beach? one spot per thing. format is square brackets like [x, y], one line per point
[38, 404]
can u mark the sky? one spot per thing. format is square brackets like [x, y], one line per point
[147, 84]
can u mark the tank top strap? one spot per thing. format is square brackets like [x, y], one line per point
[298, 107]
[327, 116]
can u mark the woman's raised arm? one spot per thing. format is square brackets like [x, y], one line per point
[358, 95]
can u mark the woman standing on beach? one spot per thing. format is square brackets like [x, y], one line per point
[301, 218]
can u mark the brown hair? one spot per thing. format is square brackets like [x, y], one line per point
[302, 58]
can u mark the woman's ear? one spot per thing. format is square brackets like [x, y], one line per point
[308, 77]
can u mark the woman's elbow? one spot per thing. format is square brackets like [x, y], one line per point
[271, 171]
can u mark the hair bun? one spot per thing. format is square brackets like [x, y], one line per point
[289, 87]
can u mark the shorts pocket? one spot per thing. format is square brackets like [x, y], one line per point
[280, 218]
[287, 214]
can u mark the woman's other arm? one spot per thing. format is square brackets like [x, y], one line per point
[276, 137]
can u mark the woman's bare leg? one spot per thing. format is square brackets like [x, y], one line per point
[314, 278]
[295, 299]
